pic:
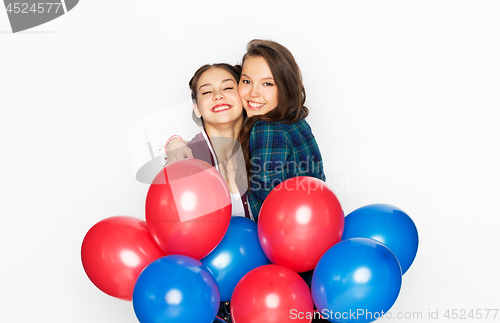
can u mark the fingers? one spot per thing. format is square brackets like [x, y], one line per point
[178, 155]
[181, 152]
[188, 153]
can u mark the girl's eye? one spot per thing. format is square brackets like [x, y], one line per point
[245, 81]
[203, 93]
[229, 88]
[268, 84]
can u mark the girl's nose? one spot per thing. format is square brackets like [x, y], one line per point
[254, 93]
[218, 96]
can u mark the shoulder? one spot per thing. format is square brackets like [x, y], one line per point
[300, 125]
[198, 138]
[299, 132]
[200, 149]
[197, 142]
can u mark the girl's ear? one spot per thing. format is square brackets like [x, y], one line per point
[196, 110]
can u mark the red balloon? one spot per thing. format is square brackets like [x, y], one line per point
[271, 293]
[115, 251]
[299, 221]
[188, 208]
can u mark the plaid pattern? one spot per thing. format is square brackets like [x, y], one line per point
[280, 151]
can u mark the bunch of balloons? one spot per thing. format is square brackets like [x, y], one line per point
[190, 255]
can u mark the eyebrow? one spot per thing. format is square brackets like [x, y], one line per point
[264, 78]
[223, 81]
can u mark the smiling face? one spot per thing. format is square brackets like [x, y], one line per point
[257, 87]
[217, 99]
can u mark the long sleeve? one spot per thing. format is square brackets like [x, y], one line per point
[278, 152]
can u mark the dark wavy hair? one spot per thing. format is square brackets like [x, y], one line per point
[235, 72]
[291, 92]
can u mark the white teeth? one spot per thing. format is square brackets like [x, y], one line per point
[255, 105]
[224, 107]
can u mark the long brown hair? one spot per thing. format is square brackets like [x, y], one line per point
[291, 92]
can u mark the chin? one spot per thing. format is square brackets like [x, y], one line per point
[251, 113]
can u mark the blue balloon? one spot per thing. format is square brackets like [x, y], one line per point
[387, 224]
[356, 280]
[175, 288]
[237, 254]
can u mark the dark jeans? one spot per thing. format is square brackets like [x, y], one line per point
[224, 314]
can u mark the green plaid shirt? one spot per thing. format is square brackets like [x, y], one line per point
[280, 151]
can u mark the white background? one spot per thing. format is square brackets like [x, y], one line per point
[405, 107]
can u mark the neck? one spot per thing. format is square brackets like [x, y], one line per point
[223, 137]
[228, 130]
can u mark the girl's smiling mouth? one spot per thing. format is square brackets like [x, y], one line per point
[221, 107]
[255, 105]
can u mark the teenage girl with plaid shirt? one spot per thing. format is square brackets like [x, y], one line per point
[277, 141]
